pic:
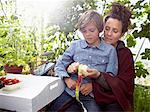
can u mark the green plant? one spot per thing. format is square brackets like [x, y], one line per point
[55, 42]
[141, 98]
[140, 70]
[16, 44]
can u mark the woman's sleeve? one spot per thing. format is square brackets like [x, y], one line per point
[101, 80]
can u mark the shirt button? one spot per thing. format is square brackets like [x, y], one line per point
[103, 61]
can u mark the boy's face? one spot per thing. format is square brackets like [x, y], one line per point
[91, 34]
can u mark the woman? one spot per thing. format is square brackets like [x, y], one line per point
[114, 93]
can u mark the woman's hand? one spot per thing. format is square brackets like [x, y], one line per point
[73, 68]
[71, 84]
[85, 89]
[93, 73]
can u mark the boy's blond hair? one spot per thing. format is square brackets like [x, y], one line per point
[90, 16]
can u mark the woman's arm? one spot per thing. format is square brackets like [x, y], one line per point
[101, 80]
[122, 85]
[98, 77]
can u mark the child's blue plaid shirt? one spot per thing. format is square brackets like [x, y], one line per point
[103, 58]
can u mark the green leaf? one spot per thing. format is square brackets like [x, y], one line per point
[131, 42]
[146, 54]
[140, 70]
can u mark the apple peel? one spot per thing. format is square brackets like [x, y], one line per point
[82, 70]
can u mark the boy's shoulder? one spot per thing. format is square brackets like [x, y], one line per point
[107, 46]
[80, 41]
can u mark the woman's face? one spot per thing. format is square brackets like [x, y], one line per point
[112, 31]
[91, 34]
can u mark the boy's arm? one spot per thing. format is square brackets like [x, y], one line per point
[112, 66]
[112, 69]
[64, 61]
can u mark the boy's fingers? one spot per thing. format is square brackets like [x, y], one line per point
[89, 70]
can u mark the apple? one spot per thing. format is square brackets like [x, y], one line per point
[82, 69]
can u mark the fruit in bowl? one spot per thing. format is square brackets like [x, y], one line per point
[12, 87]
[10, 83]
[1, 84]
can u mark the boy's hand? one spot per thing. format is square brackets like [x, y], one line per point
[71, 84]
[93, 73]
[86, 88]
[73, 68]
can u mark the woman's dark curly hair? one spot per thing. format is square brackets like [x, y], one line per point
[121, 13]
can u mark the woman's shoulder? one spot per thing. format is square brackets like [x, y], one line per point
[121, 47]
[123, 50]
[127, 49]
